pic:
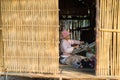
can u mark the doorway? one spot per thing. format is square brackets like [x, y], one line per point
[78, 17]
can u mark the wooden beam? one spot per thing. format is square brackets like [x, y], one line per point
[57, 76]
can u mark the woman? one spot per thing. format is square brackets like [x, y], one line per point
[67, 49]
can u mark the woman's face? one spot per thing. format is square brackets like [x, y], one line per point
[68, 37]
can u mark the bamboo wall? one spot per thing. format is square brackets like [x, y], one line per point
[108, 38]
[30, 31]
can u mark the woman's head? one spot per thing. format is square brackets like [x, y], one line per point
[66, 35]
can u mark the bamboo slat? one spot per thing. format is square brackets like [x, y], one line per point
[118, 39]
[114, 41]
[30, 35]
[102, 4]
[111, 44]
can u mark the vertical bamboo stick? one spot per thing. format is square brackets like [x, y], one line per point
[103, 38]
[117, 41]
[110, 49]
[97, 36]
[37, 46]
[35, 43]
[22, 52]
[102, 12]
[114, 39]
[45, 36]
[53, 30]
[108, 35]
[118, 38]
[107, 39]
[40, 47]
[110, 19]
[36, 39]
[104, 41]
[101, 8]
[47, 30]
[113, 45]
[19, 51]
[42, 54]
[7, 47]
[32, 31]
[16, 48]
[57, 38]
[25, 35]
[117, 54]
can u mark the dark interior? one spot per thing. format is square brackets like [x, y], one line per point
[79, 17]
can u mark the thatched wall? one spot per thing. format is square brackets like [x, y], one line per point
[30, 31]
[108, 38]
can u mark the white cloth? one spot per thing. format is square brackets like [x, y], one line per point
[66, 47]
[89, 55]
[67, 50]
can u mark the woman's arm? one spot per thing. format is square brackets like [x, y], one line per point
[66, 48]
[75, 42]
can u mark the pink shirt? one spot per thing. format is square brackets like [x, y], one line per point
[66, 47]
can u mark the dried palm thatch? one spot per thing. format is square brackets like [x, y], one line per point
[30, 35]
[108, 58]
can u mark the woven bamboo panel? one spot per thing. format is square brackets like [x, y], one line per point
[108, 58]
[30, 35]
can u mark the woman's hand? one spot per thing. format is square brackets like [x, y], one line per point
[77, 46]
[81, 42]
